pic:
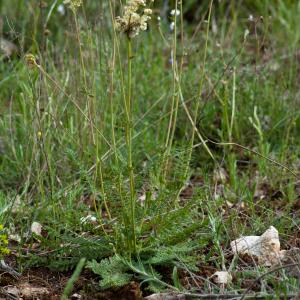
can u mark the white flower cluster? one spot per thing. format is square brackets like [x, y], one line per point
[135, 18]
[73, 4]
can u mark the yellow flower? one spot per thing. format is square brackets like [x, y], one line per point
[3, 243]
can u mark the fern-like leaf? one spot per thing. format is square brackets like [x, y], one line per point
[112, 270]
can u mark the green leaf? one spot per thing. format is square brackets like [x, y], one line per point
[112, 270]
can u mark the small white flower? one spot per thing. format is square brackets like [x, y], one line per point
[175, 12]
[250, 18]
[61, 9]
[147, 11]
[158, 18]
[172, 26]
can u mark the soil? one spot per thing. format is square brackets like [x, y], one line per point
[44, 284]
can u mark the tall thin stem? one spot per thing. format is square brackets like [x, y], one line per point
[128, 108]
[175, 100]
[115, 54]
[194, 131]
[83, 68]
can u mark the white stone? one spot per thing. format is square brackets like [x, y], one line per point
[222, 277]
[265, 247]
[36, 228]
[247, 245]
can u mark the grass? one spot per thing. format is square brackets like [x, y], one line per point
[174, 160]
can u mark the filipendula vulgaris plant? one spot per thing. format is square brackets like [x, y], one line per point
[136, 14]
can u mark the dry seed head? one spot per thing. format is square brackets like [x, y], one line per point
[30, 61]
[135, 18]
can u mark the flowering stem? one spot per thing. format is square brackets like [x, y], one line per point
[128, 108]
[174, 105]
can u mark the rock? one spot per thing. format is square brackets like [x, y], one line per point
[32, 292]
[266, 248]
[222, 277]
[36, 228]
[166, 296]
[246, 245]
